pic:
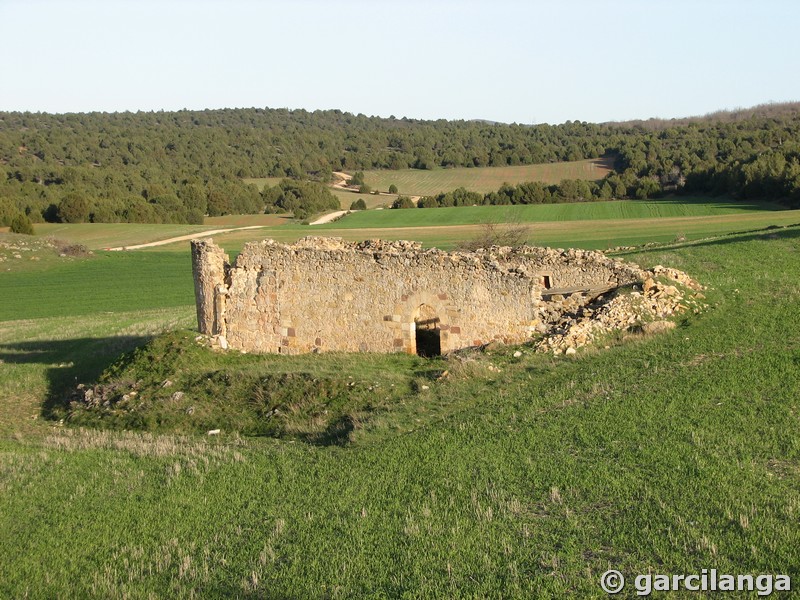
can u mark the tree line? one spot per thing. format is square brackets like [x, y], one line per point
[532, 192]
[177, 167]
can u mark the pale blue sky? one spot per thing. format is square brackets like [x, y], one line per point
[504, 60]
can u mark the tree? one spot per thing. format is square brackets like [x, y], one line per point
[357, 178]
[427, 202]
[359, 205]
[22, 224]
[392, 189]
[303, 198]
[648, 188]
[424, 159]
[194, 197]
[74, 208]
[403, 202]
[218, 203]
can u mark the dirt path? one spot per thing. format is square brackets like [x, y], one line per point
[342, 183]
[329, 217]
[183, 238]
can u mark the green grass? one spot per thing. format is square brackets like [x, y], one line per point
[98, 236]
[602, 233]
[104, 282]
[671, 454]
[483, 179]
[534, 213]
[40, 358]
[278, 396]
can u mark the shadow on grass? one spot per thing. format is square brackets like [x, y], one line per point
[773, 232]
[68, 363]
[337, 433]
[719, 201]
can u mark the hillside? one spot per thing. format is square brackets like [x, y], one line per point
[176, 167]
[770, 110]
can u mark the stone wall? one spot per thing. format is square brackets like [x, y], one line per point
[324, 294]
[571, 269]
[209, 264]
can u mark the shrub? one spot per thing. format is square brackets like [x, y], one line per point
[357, 178]
[359, 205]
[22, 224]
[403, 202]
[393, 189]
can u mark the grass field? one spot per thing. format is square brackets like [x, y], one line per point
[590, 235]
[262, 182]
[534, 213]
[419, 182]
[666, 454]
[106, 282]
[246, 220]
[586, 225]
[107, 235]
[346, 198]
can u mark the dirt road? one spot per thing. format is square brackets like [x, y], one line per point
[329, 217]
[183, 238]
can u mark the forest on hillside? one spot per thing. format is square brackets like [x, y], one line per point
[177, 167]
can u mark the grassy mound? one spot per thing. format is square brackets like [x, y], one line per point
[176, 384]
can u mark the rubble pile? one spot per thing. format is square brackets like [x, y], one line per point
[643, 308]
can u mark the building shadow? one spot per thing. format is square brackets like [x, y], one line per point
[719, 202]
[773, 232]
[68, 363]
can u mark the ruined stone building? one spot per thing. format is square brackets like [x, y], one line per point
[325, 294]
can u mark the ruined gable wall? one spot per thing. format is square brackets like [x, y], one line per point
[209, 264]
[294, 299]
[573, 268]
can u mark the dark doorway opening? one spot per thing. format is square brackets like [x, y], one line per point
[427, 332]
[429, 340]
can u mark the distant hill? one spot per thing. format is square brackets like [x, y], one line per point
[771, 110]
[176, 167]
[486, 122]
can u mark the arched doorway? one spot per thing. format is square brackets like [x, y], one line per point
[427, 332]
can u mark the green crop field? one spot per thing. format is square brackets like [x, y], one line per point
[666, 453]
[533, 213]
[418, 182]
[106, 282]
[587, 225]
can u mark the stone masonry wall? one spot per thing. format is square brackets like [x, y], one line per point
[209, 264]
[572, 268]
[324, 294]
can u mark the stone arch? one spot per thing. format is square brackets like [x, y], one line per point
[406, 313]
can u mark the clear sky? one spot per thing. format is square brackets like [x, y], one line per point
[503, 60]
